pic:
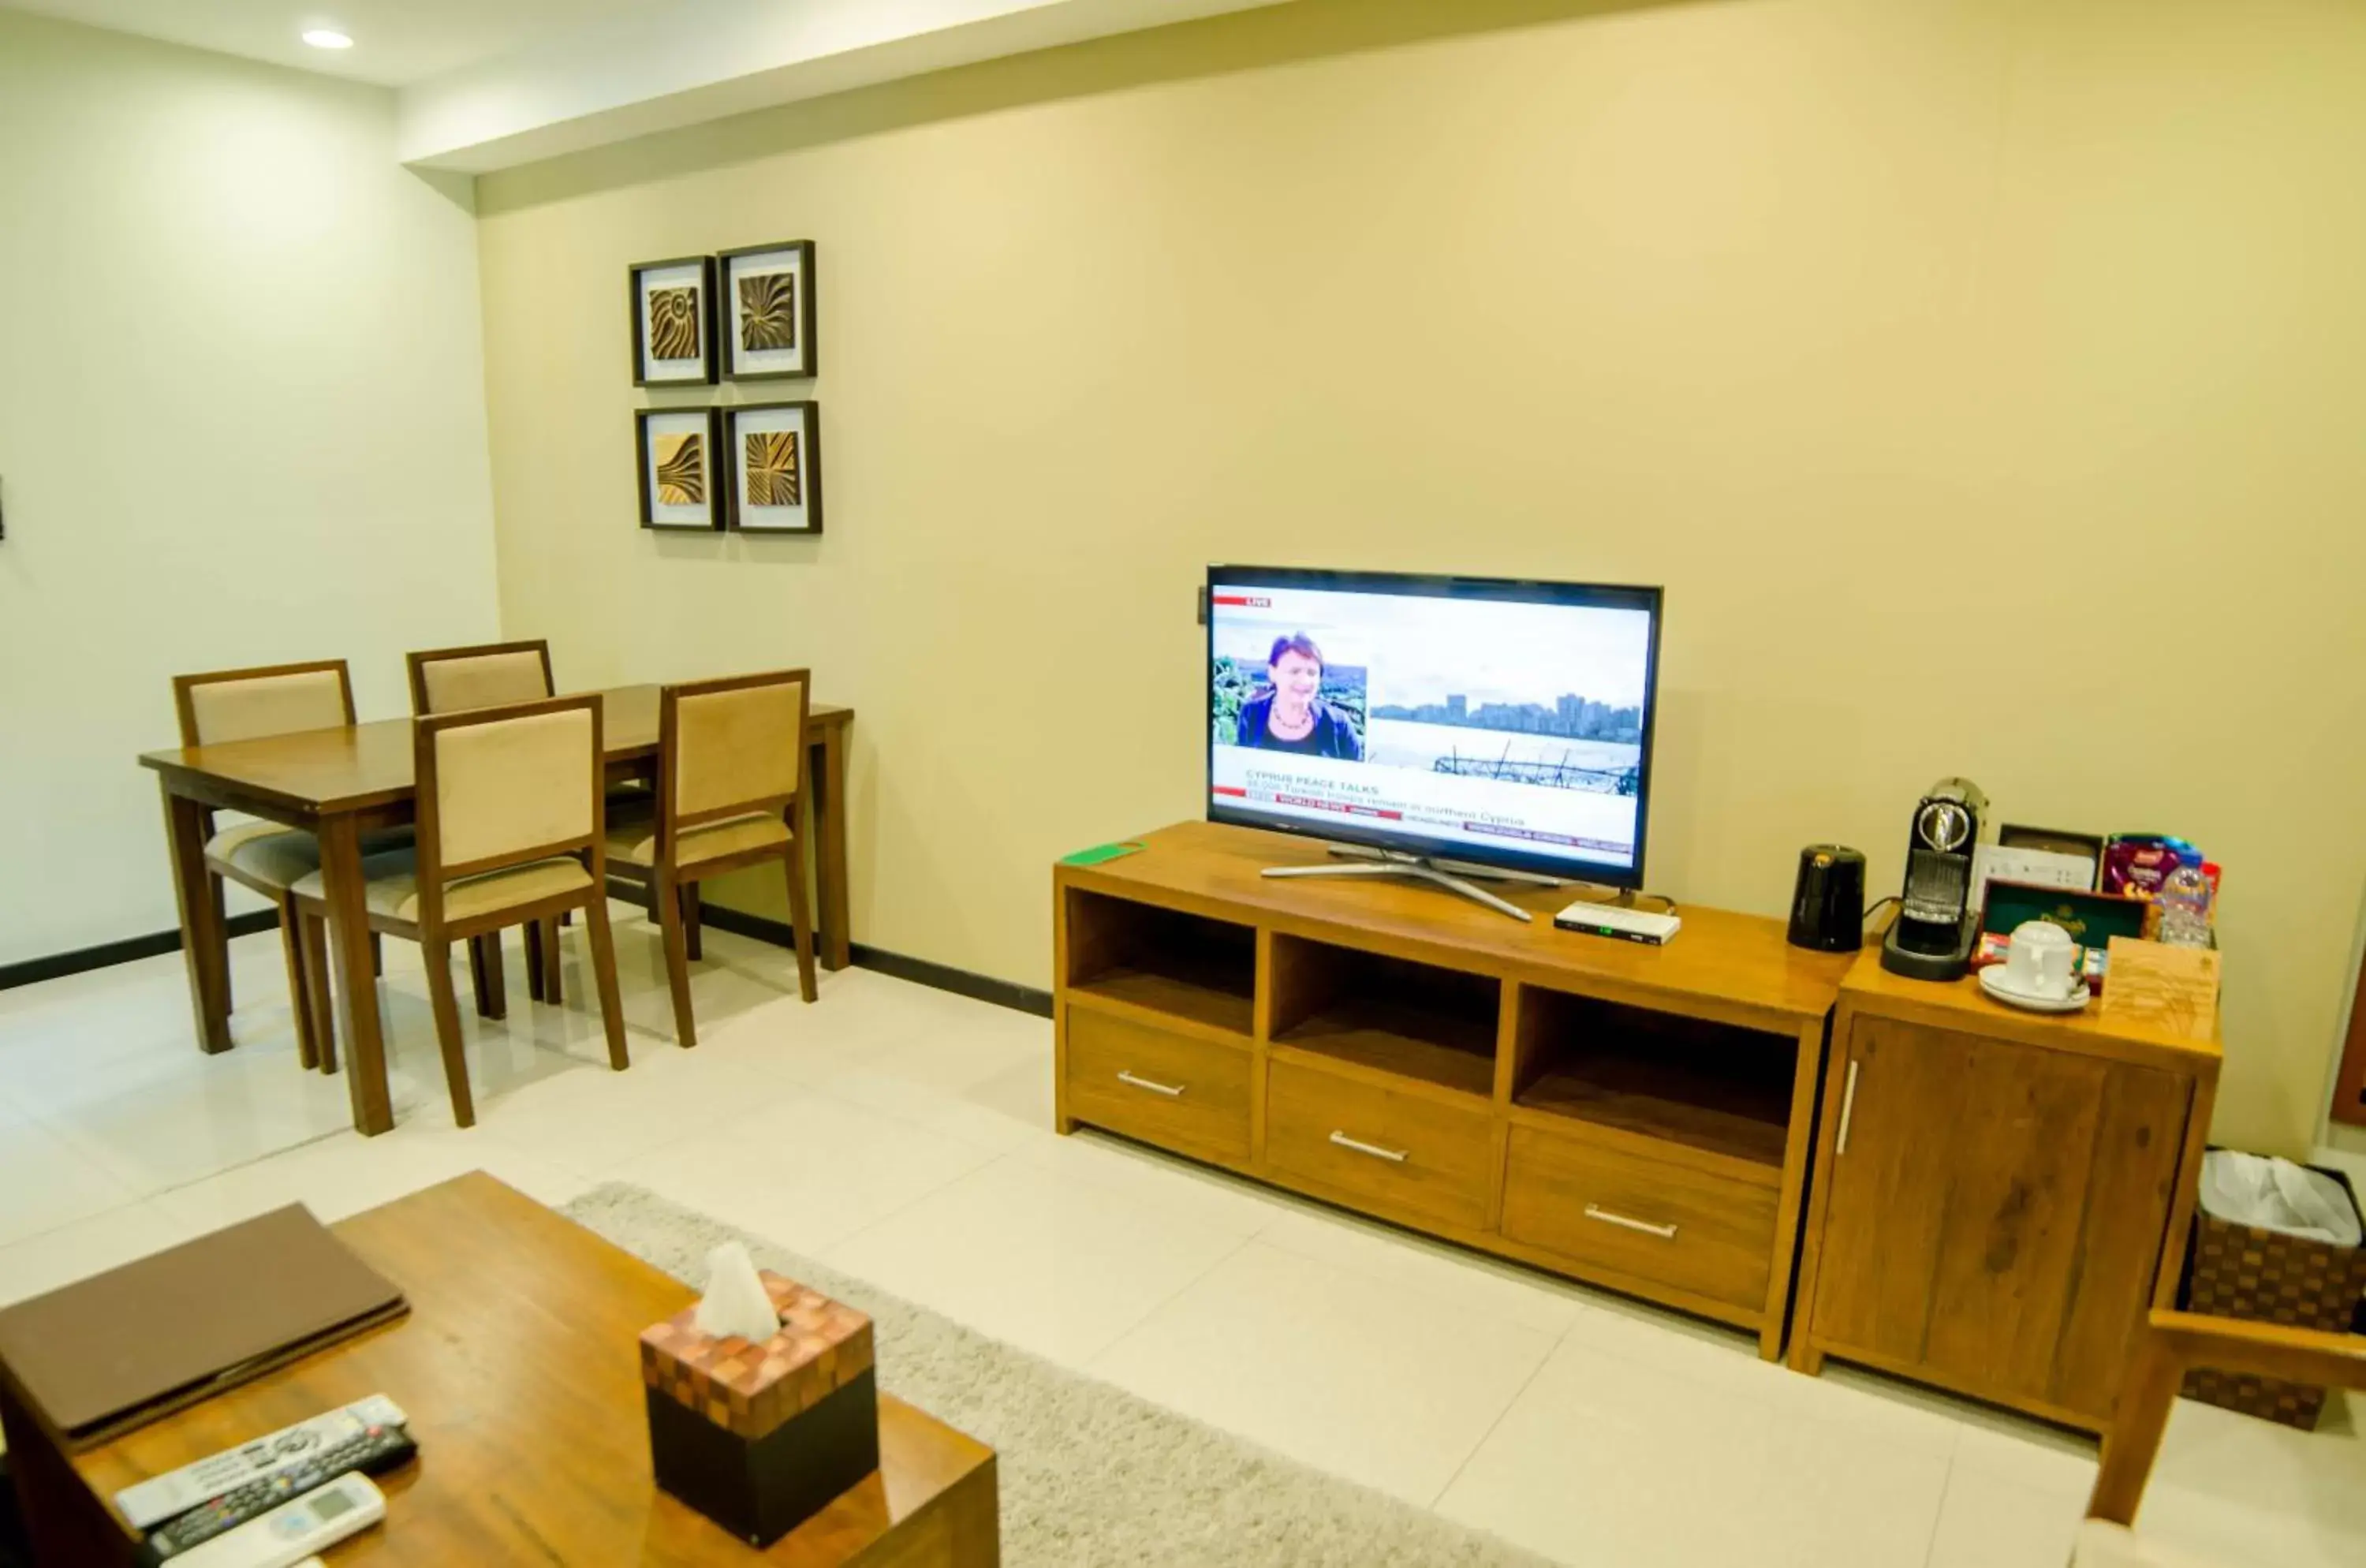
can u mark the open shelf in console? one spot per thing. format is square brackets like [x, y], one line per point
[1161, 961]
[1713, 1087]
[1403, 1019]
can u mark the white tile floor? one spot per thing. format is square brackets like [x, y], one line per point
[903, 1135]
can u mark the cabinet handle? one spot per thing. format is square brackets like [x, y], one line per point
[1847, 1109]
[1394, 1156]
[1171, 1091]
[1666, 1232]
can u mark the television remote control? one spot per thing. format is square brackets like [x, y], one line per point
[376, 1450]
[296, 1530]
[153, 1501]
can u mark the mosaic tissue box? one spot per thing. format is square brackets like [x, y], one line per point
[761, 1436]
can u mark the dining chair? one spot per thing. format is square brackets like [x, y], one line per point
[731, 771]
[2170, 1345]
[485, 674]
[490, 674]
[511, 825]
[219, 706]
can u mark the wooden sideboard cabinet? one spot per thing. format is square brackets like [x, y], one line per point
[1634, 1116]
[1998, 1196]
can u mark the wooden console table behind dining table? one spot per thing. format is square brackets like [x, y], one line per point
[339, 783]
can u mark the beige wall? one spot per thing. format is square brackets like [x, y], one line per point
[241, 422]
[1982, 379]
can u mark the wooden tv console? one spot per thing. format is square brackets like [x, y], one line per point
[1635, 1116]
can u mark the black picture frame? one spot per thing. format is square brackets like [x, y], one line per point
[709, 359]
[712, 418]
[808, 465]
[726, 312]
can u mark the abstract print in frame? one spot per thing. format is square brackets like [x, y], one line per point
[767, 314]
[679, 460]
[774, 451]
[673, 321]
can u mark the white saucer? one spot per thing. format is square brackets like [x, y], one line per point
[1992, 982]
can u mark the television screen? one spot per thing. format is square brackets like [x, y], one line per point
[1498, 723]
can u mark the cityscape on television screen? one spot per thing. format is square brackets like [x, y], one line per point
[1572, 717]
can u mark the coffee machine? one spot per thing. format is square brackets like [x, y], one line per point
[1936, 926]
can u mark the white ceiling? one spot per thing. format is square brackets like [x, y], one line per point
[676, 62]
[395, 42]
[484, 85]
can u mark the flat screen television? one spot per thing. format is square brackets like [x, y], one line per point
[1496, 723]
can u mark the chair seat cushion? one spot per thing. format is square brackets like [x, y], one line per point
[284, 856]
[393, 889]
[266, 852]
[386, 840]
[635, 839]
[2101, 1544]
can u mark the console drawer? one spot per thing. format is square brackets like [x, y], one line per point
[1413, 1153]
[1658, 1221]
[1177, 1091]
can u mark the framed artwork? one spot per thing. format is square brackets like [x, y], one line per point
[673, 321]
[766, 320]
[679, 483]
[773, 454]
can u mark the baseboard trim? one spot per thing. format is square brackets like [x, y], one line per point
[960, 982]
[919, 971]
[57, 965]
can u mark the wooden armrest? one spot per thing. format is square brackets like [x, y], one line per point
[2263, 1350]
[2172, 1344]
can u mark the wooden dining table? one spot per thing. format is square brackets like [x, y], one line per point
[341, 783]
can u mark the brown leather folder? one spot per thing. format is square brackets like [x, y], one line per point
[121, 1348]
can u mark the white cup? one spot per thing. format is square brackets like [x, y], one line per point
[2038, 963]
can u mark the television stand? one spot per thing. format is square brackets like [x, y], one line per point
[1422, 868]
[1636, 1116]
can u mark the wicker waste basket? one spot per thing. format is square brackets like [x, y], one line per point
[2267, 1275]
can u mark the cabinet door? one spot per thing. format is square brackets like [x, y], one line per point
[1995, 1212]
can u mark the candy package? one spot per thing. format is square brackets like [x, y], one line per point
[2136, 864]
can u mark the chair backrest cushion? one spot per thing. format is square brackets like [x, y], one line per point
[513, 785]
[484, 681]
[266, 705]
[738, 747]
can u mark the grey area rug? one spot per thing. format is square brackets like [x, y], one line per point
[1090, 1474]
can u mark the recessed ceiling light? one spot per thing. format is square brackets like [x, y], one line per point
[327, 37]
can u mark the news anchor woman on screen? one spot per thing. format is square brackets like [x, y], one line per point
[1289, 715]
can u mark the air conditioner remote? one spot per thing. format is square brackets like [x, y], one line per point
[377, 1450]
[295, 1529]
[159, 1498]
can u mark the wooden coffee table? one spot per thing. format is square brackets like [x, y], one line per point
[519, 1368]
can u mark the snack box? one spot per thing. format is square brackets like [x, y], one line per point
[2093, 961]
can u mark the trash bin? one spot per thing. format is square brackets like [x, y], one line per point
[2304, 1268]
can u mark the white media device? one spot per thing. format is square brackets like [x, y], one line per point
[1617, 920]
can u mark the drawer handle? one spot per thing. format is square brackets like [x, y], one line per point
[1171, 1091]
[1848, 1111]
[1665, 1232]
[1394, 1156]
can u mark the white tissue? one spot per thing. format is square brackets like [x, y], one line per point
[734, 1301]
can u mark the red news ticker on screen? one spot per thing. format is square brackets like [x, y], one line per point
[1245, 601]
[1311, 804]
